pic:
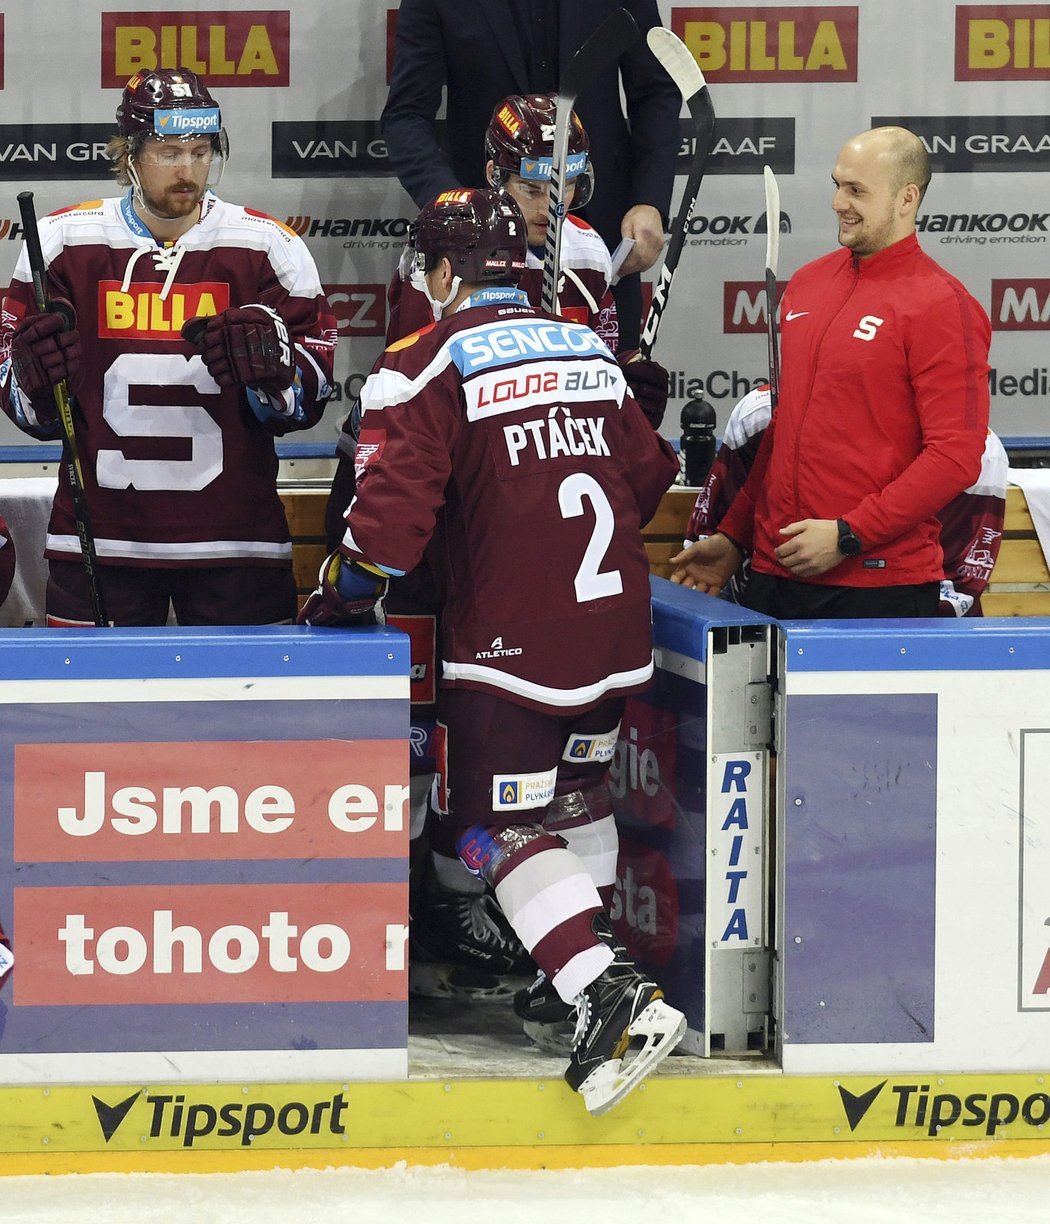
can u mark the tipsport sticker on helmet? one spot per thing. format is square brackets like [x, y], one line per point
[187, 121]
[539, 168]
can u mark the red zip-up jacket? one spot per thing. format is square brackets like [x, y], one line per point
[882, 416]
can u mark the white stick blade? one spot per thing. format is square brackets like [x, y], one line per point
[677, 60]
[772, 218]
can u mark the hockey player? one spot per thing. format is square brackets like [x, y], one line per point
[513, 433]
[971, 523]
[462, 946]
[176, 440]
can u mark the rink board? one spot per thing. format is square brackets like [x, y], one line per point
[203, 855]
[517, 1123]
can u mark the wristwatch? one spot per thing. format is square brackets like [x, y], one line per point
[849, 545]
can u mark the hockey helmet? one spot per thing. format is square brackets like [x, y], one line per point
[166, 102]
[479, 230]
[520, 140]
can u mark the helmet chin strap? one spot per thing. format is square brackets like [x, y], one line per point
[419, 281]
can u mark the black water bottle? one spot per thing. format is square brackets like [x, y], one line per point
[698, 440]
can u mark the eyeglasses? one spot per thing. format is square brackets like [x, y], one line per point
[169, 156]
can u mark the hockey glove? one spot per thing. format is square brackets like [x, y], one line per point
[246, 346]
[649, 384]
[348, 595]
[45, 350]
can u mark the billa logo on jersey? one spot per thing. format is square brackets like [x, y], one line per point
[1021, 305]
[769, 44]
[1002, 42]
[209, 801]
[225, 48]
[744, 307]
[359, 310]
[142, 314]
[209, 943]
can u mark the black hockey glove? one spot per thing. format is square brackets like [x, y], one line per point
[246, 346]
[649, 384]
[45, 350]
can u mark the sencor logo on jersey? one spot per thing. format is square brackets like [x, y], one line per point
[142, 314]
[1002, 42]
[1021, 305]
[226, 48]
[768, 44]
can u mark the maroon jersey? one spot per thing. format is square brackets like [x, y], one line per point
[971, 523]
[520, 425]
[177, 471]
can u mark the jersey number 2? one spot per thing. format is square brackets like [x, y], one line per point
[591, 583]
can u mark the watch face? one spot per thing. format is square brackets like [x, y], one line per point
[849, 545]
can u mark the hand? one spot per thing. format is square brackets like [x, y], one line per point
[246, 346]
[348, 594]
[46, 350]
[644, 224]
[812, 547]
[708, 564]
[649, 384]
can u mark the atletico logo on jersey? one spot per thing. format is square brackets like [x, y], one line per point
[140, 313]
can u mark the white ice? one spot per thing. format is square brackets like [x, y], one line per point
[864, 1191]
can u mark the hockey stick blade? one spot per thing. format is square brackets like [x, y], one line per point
[772, 260]
[683, 69]
[599, 53]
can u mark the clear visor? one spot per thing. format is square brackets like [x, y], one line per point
[190, 151]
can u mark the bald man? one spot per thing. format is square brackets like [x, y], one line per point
[882, 415]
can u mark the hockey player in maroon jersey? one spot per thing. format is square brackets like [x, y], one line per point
[464, 947]
[514, 434]
[971, 523]
[176, 438]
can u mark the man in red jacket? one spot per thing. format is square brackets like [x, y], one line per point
[882, 415]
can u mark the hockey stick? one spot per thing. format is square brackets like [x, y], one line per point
[600, 52]
[772, 257]
[70, 451]
[683, 69]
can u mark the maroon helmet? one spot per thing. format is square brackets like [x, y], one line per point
[169, 102]
[479, 230]
[520, 140]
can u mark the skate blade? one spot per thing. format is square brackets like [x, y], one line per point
[661, 1027]
[459, 982]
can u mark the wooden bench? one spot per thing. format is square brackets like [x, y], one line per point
[305, 508]
[1020, 584]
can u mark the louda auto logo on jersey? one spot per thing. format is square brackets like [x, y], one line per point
[989, 144]
[45, 151]
[811, 43]
[247, 48]
[141, 313]
[1002, 42]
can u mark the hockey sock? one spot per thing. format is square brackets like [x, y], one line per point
[584, 820]
[546, 895]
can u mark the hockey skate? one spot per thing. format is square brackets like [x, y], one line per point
[624, 1030]
[462, 947]
[549, 1022]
